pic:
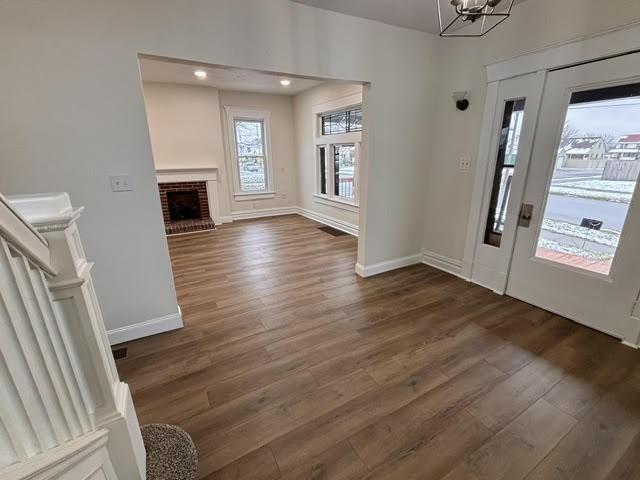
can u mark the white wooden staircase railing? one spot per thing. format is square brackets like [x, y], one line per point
[64, 413]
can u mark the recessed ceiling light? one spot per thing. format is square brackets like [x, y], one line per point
[285, 82]
[201, 74]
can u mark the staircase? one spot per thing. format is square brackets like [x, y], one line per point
[64, 413]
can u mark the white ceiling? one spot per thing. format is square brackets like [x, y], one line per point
[414, 14]
[168, 71]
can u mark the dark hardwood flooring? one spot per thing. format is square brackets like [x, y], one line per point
[292, 367]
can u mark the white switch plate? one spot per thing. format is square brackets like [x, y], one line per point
[465, 163]
[121, 183]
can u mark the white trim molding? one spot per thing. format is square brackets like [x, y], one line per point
[263, 212]
[346, 227]
[246, 196]
[387, 265]
[446, 264]
[620, 40]
[154, 326]
[335, 202]
[84, 457]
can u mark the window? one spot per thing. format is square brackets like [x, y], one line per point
[344, 161]
[505, 166]
[345, 121]
[338, 138]
[324, 172]
[249, 153]
[586, 208]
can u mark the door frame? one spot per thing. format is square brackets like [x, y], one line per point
[621, 41]
[490, 265]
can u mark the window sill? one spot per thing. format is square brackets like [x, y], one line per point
[242, 197]
[335, 202]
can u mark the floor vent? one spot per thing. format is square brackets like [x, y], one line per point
[333, 231]
[119, 353]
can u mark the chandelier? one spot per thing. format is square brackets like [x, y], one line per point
[479, 16]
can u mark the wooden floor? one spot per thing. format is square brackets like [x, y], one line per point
[292, 367]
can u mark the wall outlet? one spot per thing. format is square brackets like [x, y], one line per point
[465, 163]
[283, 196]
[121, 183]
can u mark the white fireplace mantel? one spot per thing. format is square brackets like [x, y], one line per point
[209, 175]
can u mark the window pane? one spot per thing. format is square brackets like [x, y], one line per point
[355, 120]
[249, 135]
[323, 170]
[505, 166]
[594, 177]
[252, 175]
[344, 162]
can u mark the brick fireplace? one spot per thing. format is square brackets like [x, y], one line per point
[185, 207]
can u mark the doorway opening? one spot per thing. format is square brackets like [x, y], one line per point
[254, 143]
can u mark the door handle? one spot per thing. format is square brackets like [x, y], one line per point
[526, 213]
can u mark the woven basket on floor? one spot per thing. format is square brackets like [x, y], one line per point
[171, 454]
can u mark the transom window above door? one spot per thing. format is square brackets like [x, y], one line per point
[345, 121]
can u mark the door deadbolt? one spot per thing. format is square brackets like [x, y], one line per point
[526, 213]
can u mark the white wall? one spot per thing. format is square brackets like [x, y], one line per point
[305, 125]
[282, 141]
[535, 24]
[73, 113]
[184, 125]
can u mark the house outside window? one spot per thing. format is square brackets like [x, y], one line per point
[338, 142]
[250, 153]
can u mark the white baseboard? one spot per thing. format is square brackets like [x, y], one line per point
[144, 329]
[263, 212]
[226, 219]
[632, 345]
[388, 265]
[443, 263]
[346, 227]
[349, 228]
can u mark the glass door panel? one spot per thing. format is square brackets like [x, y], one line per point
[507, 155]
[594, 176]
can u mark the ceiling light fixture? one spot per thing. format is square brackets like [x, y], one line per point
[285, 82]
[485, 15]
[201, 74]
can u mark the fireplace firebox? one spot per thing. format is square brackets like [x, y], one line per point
[185, 207]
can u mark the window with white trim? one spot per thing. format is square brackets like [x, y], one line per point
[249, 145]
[337, 150]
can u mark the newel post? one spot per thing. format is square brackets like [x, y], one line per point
[108, 400]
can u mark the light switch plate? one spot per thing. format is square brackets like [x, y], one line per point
[121, 183]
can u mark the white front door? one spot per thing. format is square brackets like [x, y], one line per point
[577, 249]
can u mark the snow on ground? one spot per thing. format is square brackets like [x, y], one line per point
[602, 185]
[606, 196]
[609, 238]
